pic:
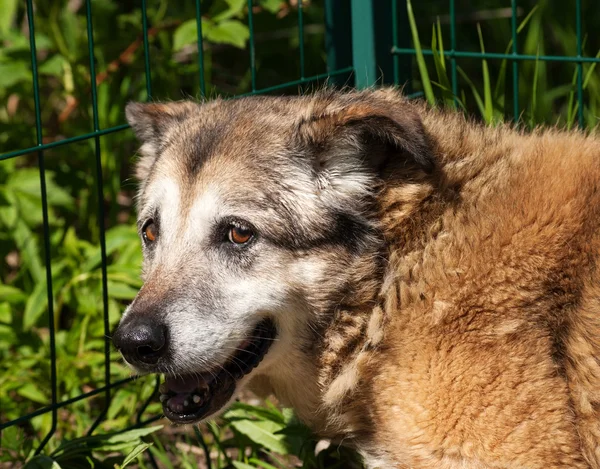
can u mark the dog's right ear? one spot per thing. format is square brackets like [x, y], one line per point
[151, 122]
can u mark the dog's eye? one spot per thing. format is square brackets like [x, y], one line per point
[239, 234]
[149, 232]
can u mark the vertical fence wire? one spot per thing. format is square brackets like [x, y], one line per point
[301, 38]
[146, 50]
[251, 44]
[200, 49]
[453, 69]
[101, 214]
[580, 116]
[47, 253]
[515, 64]
[396, 57]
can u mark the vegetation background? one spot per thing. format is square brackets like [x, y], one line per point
[249, 435]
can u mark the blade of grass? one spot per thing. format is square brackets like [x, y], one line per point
[440, 67]
[573, 104]
[590, 71]
[202, 442]
[536, 71]
[426, 82]
[502, 72]
[488, 114]
[476, 94]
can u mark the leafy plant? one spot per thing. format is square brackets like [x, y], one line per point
[96, 451]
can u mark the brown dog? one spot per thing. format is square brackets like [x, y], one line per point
[417, 285]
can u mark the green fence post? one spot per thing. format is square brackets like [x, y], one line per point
[372, 42]
[363, 43]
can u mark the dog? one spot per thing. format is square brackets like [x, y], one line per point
[420, 286]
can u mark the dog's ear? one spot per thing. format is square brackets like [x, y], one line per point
[151, 122]
[366, 131]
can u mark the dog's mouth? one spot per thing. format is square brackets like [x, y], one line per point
[190, 398]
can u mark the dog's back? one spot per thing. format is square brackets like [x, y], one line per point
[493, 353]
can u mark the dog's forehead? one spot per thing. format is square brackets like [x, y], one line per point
[237, 136]
[233, 149]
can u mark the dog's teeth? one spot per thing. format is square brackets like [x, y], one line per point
[163, 397]
[186, 403]
[196, 398]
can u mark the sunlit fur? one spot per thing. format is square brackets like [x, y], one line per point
[434, 282]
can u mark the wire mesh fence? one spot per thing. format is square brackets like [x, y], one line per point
[366, 43]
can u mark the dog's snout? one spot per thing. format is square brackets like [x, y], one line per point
[141, 341]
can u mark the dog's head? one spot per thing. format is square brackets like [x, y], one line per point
[252, 215]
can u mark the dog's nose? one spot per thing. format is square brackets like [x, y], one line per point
[141, 340]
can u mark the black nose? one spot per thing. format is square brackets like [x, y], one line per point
[141, 340]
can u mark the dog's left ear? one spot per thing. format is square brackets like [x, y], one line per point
[151, 122]
[370, 129]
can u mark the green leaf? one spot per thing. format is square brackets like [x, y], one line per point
[35, 306]
[260, 463]
[242, 465]
[125, 274]
[42, 462]
[187, 33]
[229, 32]
[108, 442]
[29, 250]
[243, 410]
[31, 392]
[5, 313]
[272, 6]
[139, 449]
[120, 236]
[121, 291]
[14, 72]
[235, 8]
[7, 336]
[118, 402]
[54, 66]
[8, 9]
[132, 435]
[27, 181]
[262, 433]
[11, 294]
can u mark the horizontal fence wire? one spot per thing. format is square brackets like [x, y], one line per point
[118, 128]
[500, 56]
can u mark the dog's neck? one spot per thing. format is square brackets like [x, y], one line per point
[319, 380]
[322, 384]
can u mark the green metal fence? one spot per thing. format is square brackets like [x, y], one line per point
[367, 42]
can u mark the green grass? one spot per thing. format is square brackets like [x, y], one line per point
[485, 94]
